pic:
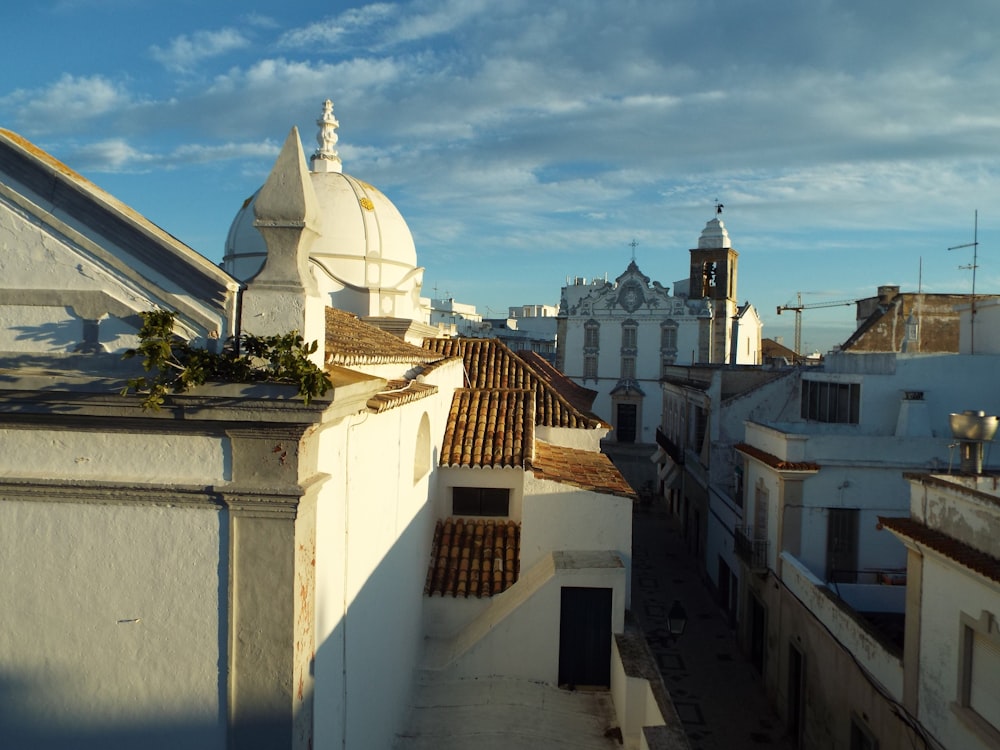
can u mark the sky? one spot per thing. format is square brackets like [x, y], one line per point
[851, 142]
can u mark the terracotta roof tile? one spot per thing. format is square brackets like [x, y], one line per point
[586, 469]
[582, 398]
[478, 557]
[979, 562]
[493, 427]
[350, 341]
[489, 363]
[400, 392]
[773, 461]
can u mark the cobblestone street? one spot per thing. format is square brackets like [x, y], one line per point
[718, 696]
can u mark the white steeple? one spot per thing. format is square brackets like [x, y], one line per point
[326, 158]
[714, 236]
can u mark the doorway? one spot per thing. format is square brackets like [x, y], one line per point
[625, 430]
[585, 637]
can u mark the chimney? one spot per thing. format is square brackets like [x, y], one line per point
[972, 429]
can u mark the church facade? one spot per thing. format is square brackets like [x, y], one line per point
[619, 338]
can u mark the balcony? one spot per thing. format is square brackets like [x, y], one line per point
[753, 552]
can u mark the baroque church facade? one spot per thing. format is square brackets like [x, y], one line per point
[618, 338]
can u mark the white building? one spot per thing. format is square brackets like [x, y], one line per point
[952, 655]
[824, 591]
[242, 570]
[619, 337]
[705, 410]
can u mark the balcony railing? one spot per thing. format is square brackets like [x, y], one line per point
[753, 552]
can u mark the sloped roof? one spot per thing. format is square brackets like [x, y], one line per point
[491, 364]
[479, 557]
[81, 199]
[588, 470]
[582, 398]
[773, 461]
[350, 341]
[489, 427]
[400, 392]
[965, 555]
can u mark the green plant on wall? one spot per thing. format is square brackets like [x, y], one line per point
[174, 366]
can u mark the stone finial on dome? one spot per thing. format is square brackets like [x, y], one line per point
[714, 236]
[326, 158]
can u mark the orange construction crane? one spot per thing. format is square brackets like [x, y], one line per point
[799, 307]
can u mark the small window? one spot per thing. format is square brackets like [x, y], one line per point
[628, 368]
[590, 367]
[591, 334]
[979, 676]
[861, 736]
[668, 336]
[630, 335]
[480, 501]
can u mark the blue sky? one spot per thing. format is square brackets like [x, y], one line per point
[526, 142]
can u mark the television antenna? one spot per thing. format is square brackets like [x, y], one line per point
[973, 266]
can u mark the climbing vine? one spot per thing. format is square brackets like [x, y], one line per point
[174, 366]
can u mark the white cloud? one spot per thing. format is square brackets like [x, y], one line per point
[71, 99]
[116, 155]
[335, 30]
[185, 52]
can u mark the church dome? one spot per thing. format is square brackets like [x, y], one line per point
[364, 256]
[714, 236]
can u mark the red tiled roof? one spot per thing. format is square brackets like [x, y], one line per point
[773, 461]
[350, 341]
[479, 557]
[979, 562]
[489, 428]
[400, 392]
[582, 398]
[489, 363]
[586, 469]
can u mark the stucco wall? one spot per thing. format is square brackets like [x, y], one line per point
[948, 592]
[374, 529]
[110, 629]
[560, 517]
[78, 454]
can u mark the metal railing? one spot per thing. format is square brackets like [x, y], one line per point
[753, 552]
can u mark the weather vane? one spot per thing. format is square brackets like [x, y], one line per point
[718, 207]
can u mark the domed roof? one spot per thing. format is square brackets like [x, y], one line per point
[714, 236]
[363, 241]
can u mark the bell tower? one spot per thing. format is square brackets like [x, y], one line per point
[713, 278]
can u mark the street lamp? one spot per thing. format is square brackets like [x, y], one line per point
[676, 620]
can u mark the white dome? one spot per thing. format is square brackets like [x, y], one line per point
[364, 257]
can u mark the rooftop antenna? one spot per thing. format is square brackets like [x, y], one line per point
[975, 257]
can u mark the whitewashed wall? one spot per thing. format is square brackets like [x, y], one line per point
[557, 517]
[110, 628]
[375, 525]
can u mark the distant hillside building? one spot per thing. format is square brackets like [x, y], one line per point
[619, 337]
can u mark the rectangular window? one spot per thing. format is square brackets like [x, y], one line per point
[628, 368]
[831, 402]
[842, 545]
[590, 367]
[591, 337]
[480, 501]
[979, 678]
[628, 337]
[668, 338]
[861, 736]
